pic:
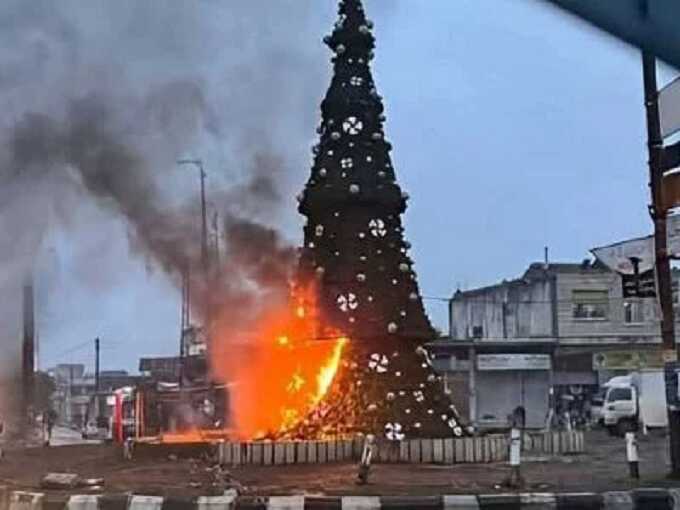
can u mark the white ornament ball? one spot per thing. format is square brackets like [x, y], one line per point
[403, 267]
[392, 328]
[382, 174]
[413, 296]
[361, 277]
[354, 189]
[323, 172]
[340, 49]
[335, 135]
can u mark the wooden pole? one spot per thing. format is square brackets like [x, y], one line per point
[662, 259]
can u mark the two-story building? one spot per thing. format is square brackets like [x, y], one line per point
[558, 331]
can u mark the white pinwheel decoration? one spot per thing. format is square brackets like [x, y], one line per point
[378, 363]
[393, 432]
[352, 126]
[347, 302]
[377, 228]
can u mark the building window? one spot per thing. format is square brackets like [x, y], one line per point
[477, 331]
[590, 304]
[633, 312]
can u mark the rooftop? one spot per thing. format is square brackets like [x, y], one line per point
[538, 271]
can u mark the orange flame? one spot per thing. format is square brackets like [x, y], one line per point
[282, 374]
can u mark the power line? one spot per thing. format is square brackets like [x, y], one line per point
[71, 350]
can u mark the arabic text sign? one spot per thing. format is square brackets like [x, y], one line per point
[513, 362]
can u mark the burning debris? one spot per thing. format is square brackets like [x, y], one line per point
[286, 371]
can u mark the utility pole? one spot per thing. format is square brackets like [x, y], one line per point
[662, 260]
[28, 350]
[204, 214]
[185, 320]
[96, 380]
[96, 366]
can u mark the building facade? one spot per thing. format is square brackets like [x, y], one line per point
[551, 336]
[76, 399]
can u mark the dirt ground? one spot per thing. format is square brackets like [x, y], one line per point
[602, 468]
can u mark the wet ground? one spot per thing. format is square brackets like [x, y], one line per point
[602, 468]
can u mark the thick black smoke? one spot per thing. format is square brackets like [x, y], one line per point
[99, 99]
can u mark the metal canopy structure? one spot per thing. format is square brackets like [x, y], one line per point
[649, 24]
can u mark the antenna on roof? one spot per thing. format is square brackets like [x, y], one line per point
[545, 257]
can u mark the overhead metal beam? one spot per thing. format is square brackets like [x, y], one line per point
[648, 24]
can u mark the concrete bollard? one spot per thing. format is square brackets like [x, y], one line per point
[632, 455]
[515, 479]
[366, 455]
[128, 448]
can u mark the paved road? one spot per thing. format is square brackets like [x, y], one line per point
[62, 436]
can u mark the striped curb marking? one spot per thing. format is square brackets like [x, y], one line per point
[639, 499]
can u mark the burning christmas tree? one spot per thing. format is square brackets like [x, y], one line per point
[356, 254]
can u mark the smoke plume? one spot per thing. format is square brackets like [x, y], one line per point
[99, 100]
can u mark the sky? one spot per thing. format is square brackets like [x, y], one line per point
[514, 127]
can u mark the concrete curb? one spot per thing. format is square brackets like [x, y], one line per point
[639, 499]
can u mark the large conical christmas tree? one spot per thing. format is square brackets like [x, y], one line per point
[355, 251]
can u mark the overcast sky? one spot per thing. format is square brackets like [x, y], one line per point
[514, 127]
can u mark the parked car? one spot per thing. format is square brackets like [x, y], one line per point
[91, 431]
